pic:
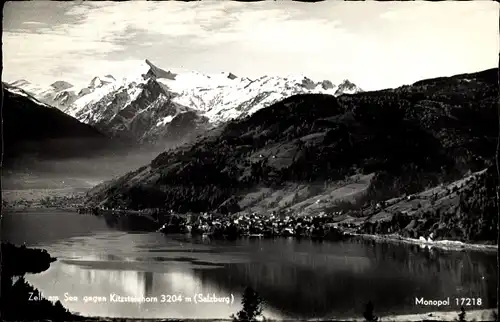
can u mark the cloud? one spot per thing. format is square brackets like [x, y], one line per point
[94, 31]
[172, 19]
[373, 44]
[41, 55]
[427, 12]
[33, 23]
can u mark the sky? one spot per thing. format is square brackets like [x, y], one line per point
[373, 44]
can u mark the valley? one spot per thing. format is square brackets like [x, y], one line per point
[250, 161]
[405, 162]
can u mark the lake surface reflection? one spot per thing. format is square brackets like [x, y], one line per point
[297, 279]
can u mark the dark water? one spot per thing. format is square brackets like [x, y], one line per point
[297, 279]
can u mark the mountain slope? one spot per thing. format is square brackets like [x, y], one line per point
[34, 129]
[406, 140]
[137, 110]
[463, 210]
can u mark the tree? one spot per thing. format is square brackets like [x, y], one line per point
[494, 316]
[461, 315]
[252, 306]
[15, 303]
[368, 314]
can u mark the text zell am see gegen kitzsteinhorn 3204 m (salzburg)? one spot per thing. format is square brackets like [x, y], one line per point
[197, 298]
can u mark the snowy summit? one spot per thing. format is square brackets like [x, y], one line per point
[164, 95]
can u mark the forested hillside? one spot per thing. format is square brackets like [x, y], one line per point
[412, 138]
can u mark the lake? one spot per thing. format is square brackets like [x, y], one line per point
[99, 256]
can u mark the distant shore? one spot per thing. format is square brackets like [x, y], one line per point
[63, 198]
[441, 244]
[393, 238]
[473, 315]
[31, 200]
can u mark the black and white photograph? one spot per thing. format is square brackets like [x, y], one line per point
[250, 160]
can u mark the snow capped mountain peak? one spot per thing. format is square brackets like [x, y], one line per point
[60, 85]
[18, 91]
[191, 80]
[150, 100]
[95, 82]
[346, 83]
[144, 71]
[326, 84]
[58, 94]
[19, 83]
[347, 87]
[308, 83]
[229, 75]
[158, 72]
[27, 87]
[98, 82]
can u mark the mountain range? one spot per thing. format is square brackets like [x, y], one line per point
[281, 144]
[153, 105]
[316, 153]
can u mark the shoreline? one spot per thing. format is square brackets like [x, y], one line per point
[451, 245]
[36, 209]
[472, 315]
